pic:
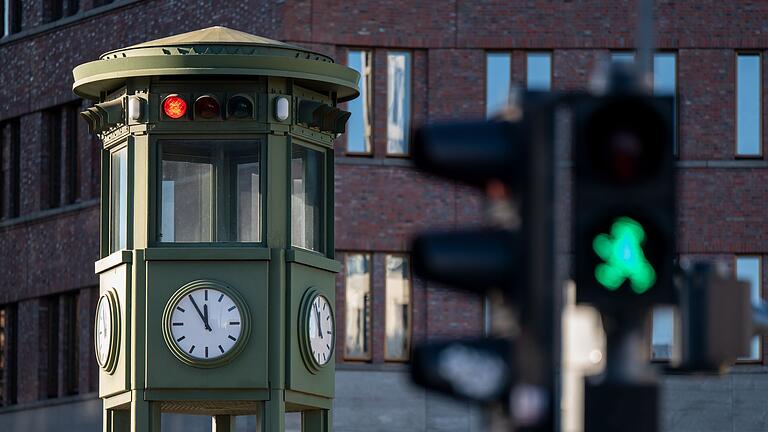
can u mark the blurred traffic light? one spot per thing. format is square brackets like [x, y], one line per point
[513, 160]
[717, 320]
[624, 204]
[475, 370]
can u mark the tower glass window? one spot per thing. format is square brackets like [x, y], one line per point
[398, 102]
[118, 238]
[307, 198]
[358, 307]
[498, 81]
[210, 191]
[359, 125]
[397, 308]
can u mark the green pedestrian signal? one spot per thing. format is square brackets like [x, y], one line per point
[622, 253]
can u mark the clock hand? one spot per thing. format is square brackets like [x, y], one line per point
[205, 314]
[319, 329]
[199, 312]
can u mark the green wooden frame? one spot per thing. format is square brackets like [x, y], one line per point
[245, 329]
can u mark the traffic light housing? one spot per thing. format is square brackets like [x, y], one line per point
[624, 203]
[102, 116]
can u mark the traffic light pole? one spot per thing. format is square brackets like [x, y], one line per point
[539, 307]
[625, 397]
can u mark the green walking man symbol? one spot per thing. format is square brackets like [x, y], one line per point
[623, 257]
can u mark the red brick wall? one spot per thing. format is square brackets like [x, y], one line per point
[381, 201]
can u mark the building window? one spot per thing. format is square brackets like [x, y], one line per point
[397, 312]
[10, 159]
[70, 343]
[398, 102]
[11, 11]
[49, 326]
[57, 9]
[357, 344]
[498, 79]
[307, 198]
[210, 192]
[61, 185]
[8, 329]
[748, 106]
[539, 71]
[748, 270]
[663, 332]
[665, 84]
[359, 125]
[118, 209]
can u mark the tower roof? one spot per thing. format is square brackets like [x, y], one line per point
[215, 51]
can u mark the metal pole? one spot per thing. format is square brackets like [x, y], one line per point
[645, 43]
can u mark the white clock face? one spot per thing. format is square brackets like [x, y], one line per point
[206, 324]
[103, 330]
[321, 331]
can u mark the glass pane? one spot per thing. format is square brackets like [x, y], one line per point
[623, 57]
[748, 105]
[662, 337]
[307, 200]
[6, 17]
[358, 306]
[187, 204]
[118, 238]
[398, 305]
[665, 82]
[398, 102]
[248, 202]
[498, 76]
[539, 74]
[359, 124]
[748, 270]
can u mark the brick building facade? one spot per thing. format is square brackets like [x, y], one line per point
[49, 177]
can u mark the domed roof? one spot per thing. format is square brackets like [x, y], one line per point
[215, 51]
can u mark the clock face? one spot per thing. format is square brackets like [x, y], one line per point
[103, 330]
[321, 330]
[206, 324]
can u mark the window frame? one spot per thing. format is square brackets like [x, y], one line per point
[346, 357]
[370, 102]
[761, 152]
[408, 355]
[761, 339]
[223, 179]
[409, 81]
